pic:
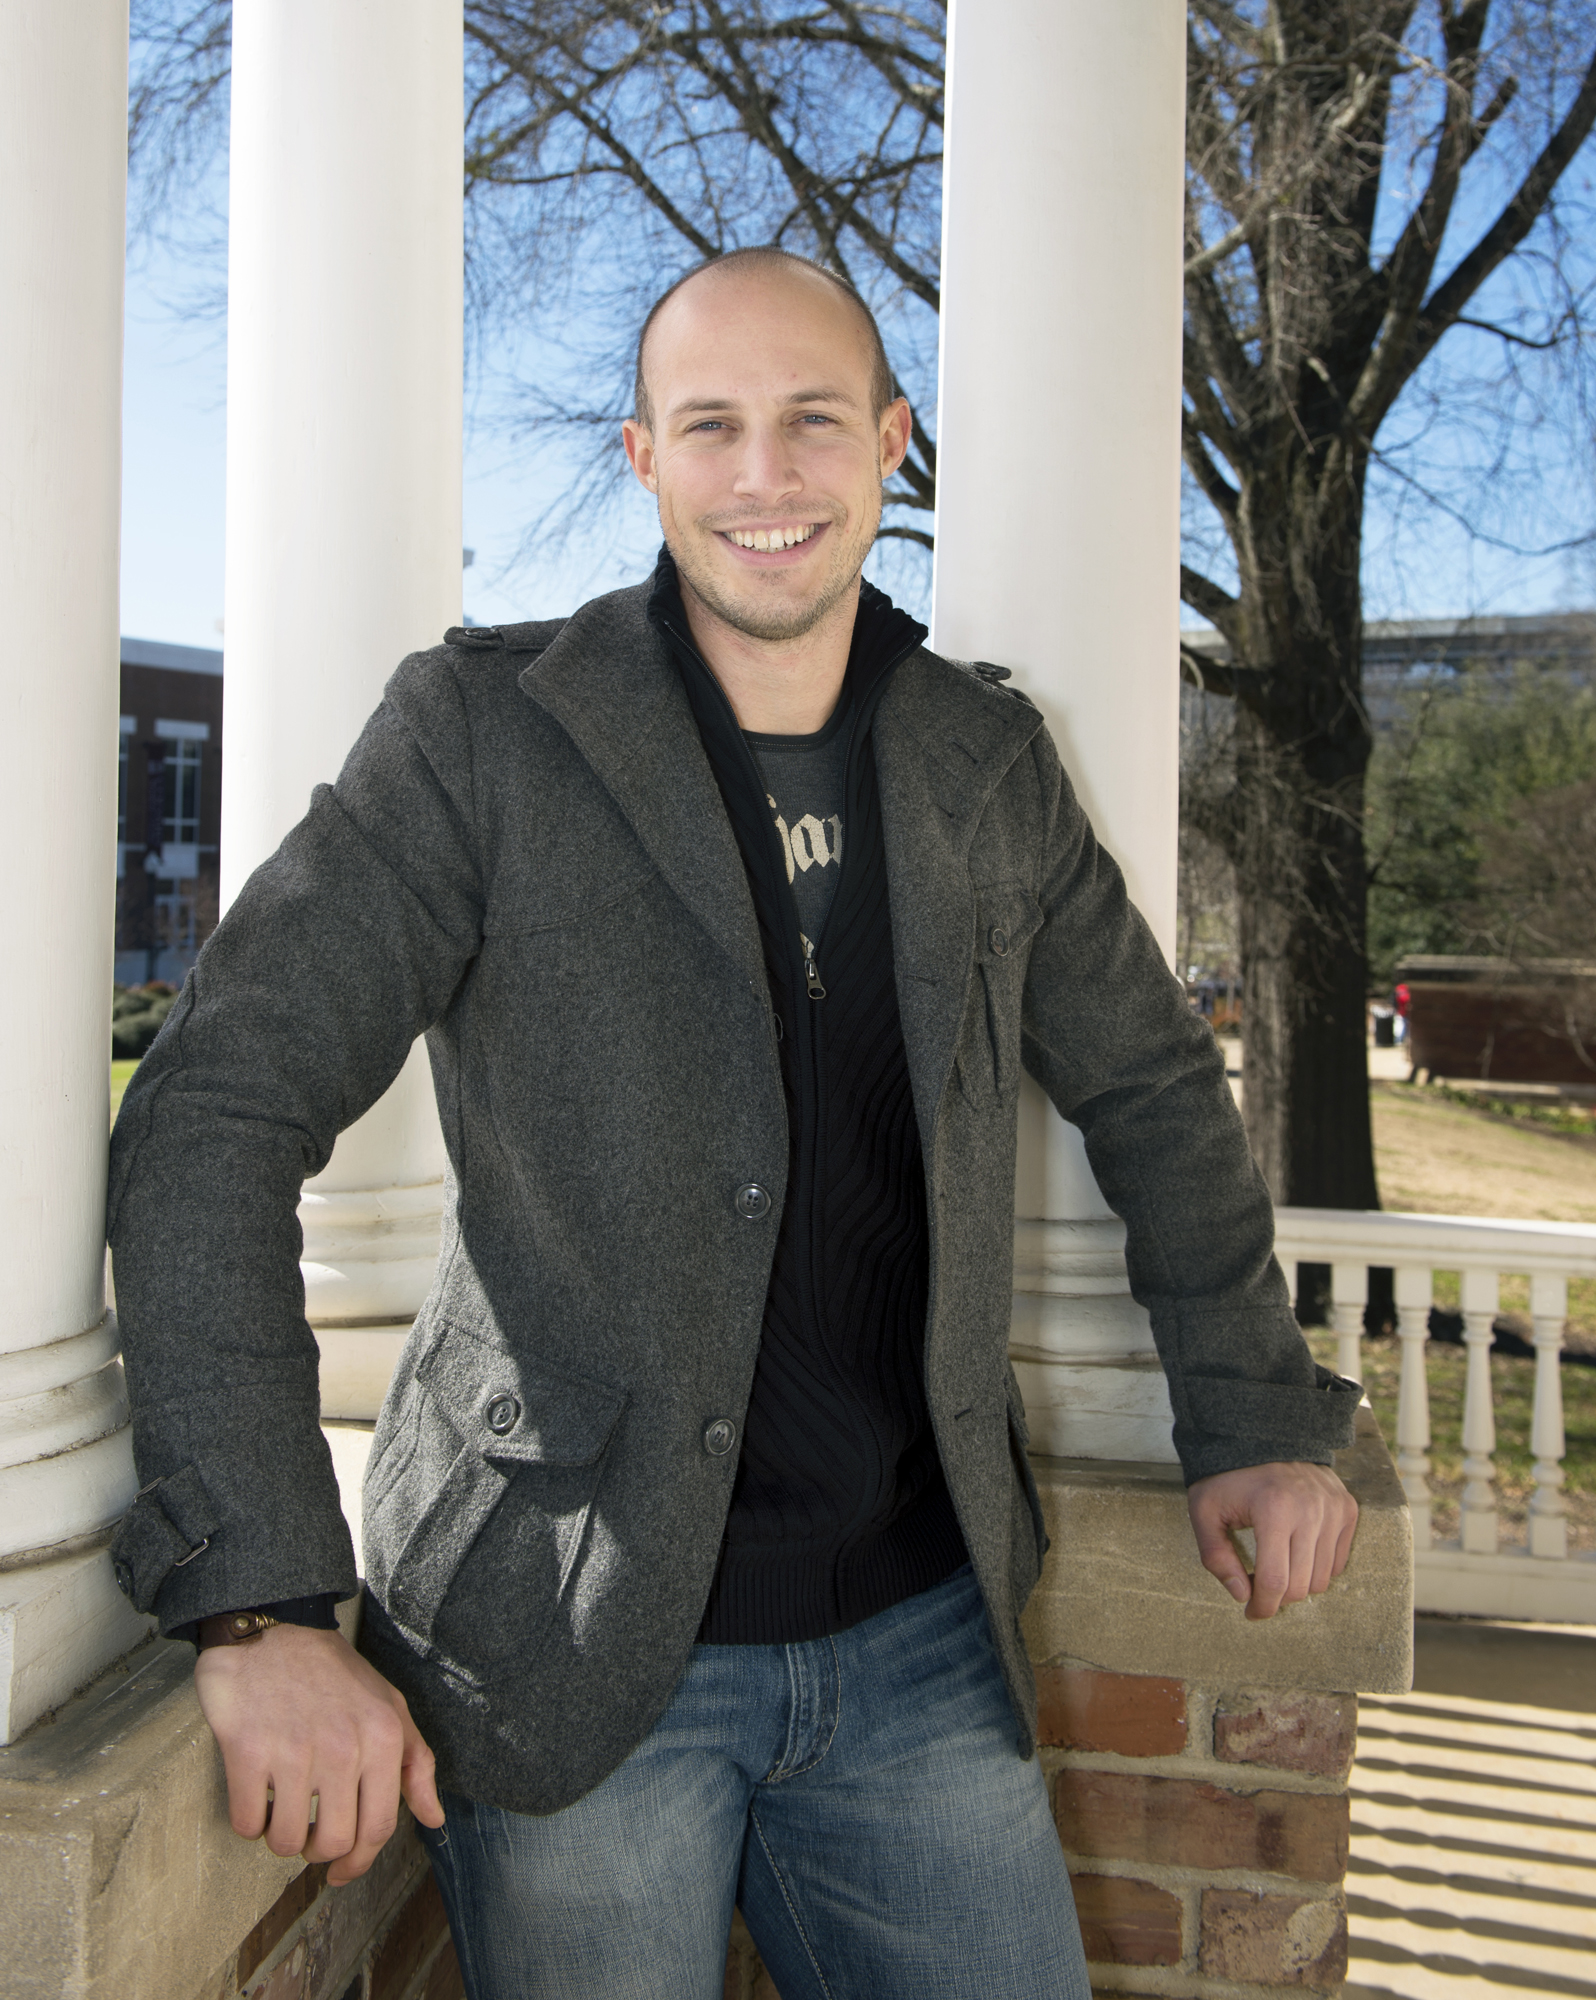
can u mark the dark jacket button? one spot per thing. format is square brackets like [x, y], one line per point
[504, 1413]
[719, 1437]
[999, 942]
[751, 1202]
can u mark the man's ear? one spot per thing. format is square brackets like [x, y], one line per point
[896, 424]
[639, 442]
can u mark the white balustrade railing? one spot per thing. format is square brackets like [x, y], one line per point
[1472, 1573]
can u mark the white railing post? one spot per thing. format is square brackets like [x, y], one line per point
[1349, 1299]
[1413, 1292]
[1548, 1527]
[1479, 1525]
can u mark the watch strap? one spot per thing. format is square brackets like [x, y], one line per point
[233, 1628]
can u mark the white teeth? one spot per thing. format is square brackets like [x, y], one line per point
[771, 538]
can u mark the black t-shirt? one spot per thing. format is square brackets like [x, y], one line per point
[804, 777]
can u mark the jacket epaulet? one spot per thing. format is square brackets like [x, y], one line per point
[991, 677]
[529, 638]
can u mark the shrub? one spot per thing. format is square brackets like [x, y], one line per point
[137, 1014]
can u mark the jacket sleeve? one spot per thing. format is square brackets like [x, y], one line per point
[340, 950]
[1108, 1034]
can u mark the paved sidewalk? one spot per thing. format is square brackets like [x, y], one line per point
[1473, 1870]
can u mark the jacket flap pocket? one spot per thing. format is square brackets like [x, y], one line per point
[1007, 917]
[509, 1407]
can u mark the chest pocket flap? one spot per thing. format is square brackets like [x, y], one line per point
[1007, 918]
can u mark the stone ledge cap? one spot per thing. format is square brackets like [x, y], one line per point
[1123, 1588]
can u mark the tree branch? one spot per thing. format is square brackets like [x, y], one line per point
[1218, 606]
[1445, 304]
[1216, 489]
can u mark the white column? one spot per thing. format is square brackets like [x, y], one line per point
[343, 522]
[1058, 549]
[66, 1467]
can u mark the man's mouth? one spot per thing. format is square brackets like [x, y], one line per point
[772, 538]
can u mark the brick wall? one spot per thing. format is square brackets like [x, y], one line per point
[384, 1937]
[1205, 1829]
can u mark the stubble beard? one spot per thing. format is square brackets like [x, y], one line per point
[774, 622]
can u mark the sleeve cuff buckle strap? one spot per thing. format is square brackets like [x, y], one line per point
[170, 1524]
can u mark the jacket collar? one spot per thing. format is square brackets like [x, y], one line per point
[882, 635]
[609, 681]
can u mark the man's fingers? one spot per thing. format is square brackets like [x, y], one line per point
[288, 1829]
[379, 1816]
[246, 1794]
[417, 1778]
[1271, 1572]
[337, 1812]
[1344, 1540]
[1324, 1554]
[1218, 1553]
[1304, 1561]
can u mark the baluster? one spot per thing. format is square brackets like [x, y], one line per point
[1548, 1529]
[1413, 1396]
[1349, 1295]
[1479, 1525]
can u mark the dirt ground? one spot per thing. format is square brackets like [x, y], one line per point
[1442, 1158]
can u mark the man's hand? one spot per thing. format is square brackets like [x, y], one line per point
[301, 1711]
[1302, 1518]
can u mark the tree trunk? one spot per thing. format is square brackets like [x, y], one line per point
[1300, 878]
[1302, 749]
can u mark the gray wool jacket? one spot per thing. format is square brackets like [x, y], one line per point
[527, 860]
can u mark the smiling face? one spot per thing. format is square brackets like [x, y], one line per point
[764, 451]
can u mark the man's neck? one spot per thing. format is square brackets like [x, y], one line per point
[777, 687]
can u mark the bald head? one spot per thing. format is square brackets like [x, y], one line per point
[780, 267]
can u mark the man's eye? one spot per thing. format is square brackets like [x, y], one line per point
[815, 417]
[710, 424]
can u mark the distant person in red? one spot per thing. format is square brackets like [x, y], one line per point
[1404, 1004]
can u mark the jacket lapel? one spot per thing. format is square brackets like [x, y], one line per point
[610, 683]
[943, 744]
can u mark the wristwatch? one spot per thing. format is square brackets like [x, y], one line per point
[233, 1628]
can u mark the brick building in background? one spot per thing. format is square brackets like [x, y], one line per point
[168, 809]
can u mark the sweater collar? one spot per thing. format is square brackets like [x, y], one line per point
[883, 636]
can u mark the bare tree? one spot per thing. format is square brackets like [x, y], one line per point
[1314, 295]
[1336, 149]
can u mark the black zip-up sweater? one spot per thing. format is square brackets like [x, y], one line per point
[839, 1508]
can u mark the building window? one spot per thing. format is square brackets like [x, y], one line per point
[181, 824]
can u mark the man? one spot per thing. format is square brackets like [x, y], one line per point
[698, 1519]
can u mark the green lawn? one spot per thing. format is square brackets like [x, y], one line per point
[120, 1072]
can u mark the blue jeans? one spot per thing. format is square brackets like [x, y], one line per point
[860, 1798]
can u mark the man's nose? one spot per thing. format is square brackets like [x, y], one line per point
[766, 467]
